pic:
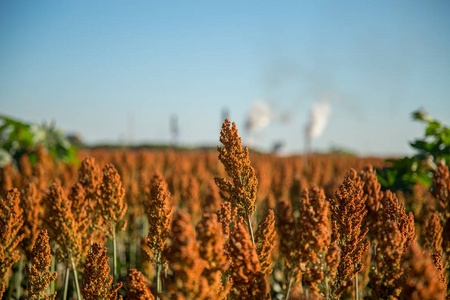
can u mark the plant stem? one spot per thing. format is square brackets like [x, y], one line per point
[291, 281]
[18, 281]
[114, 256]
[75, 275]
[250, 228]
[158, 275]
[66, 282]
[324, 270]
[327, 288]
[52, 269]
[356, 287]
[133, 252]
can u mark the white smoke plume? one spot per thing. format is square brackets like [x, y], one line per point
[318, 119]
[259, 117]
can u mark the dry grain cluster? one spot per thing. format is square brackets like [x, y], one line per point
[143, 224]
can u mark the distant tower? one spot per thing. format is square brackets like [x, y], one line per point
[174, 130]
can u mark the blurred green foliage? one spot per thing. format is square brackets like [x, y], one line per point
[18, 138]
[402, 174]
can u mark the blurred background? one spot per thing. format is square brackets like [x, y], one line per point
[293, 75]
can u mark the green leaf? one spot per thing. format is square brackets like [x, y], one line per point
[445, 136]
[422, 145]
[433, 128]
[425, 178]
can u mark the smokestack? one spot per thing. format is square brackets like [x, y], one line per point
[259, 117]
[318, 119]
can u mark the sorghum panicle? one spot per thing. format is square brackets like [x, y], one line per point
[31, 205]
[137, 286]
[64, 230]
[38, 276]
[212, 199]
[315, 231]
[185, 262]
[159, 213]
[6, 179]
[241, 191]
[394, 231]
[245, 271]
[432, 233]
[212, 246]
[347, 213]
[81, 215]
[432, 241]
[287, 233]
[387, 259]
[421, 280]
[11, 220]
[90, 178]
[372, 190]
[112, 204]
[441, 190]
[265, 241]
[394, 210]
[97, 279]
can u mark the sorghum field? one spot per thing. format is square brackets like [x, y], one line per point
[230, 224]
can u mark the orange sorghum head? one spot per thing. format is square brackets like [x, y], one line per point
[97, 278]
[38, 276]
[421, 280]
[347, 212]
[159, 213]
[137, 286]
[11, 220]
[64, 229]
[185, 262]
[241, 191]
[265, 241]
[248, 282]
[212, 249]
[112, 204]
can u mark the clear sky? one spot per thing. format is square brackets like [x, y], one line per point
[112, 70]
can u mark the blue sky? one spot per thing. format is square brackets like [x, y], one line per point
[113, 70]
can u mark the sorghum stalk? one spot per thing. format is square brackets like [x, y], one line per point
[52, 270]
[356, 287]
[66, 283]
[291, 281]
[114, 256]
[158, 268]
[133, 252]
[327, 288]
[324, 268]
[18, 279]
[75, 275]
[250, 228]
